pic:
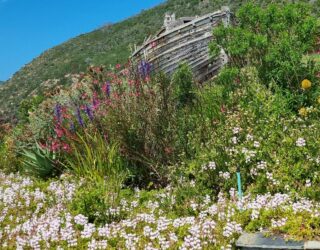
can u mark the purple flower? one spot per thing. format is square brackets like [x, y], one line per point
[58, 112]
[89, 112]
[108, 89]
[144, 69]
[80, 120]
[72, 127]
[95, 103]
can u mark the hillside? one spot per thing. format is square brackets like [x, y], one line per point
[105, 46]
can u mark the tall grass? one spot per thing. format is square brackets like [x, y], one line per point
[100, 163]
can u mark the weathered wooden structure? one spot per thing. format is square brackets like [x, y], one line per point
[185, 39]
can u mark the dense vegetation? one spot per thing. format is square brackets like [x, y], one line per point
[108, 45]
[123, 159]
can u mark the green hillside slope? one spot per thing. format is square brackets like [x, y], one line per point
[105, 46]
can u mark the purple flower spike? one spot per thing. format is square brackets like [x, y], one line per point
[80, 120]
[58, 112]
[72, 127]
[144, 69]
[89, 112]
[108, 89]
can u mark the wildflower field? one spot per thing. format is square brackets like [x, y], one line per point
[129, 159]
[152, 220]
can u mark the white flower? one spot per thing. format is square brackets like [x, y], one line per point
[255, 214]
[224, 175]
[80, 219]
[262, 165]
[278, 223]
[236, 130]
[249, 137]
[234, 140]
[210, 166]
[308, 183]
[301, 142]
[231, 228]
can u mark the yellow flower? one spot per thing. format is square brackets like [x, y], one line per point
[306, 84]
[303, 111]
[319, 99]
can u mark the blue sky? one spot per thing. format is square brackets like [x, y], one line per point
[29, 27]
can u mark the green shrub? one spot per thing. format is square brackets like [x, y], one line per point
[9, 159]
[99, 162]
[258, 132]
[27, 106]
[272, 39]
[91, 200]
[104, 173]
[183, 84]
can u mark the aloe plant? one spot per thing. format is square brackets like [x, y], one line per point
[40, 162]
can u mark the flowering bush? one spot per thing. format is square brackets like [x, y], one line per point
[144, 220]
[275, 150]
[126, 106]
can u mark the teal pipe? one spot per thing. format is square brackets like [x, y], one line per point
[239, 186]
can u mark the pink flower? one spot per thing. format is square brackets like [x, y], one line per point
[59, 132]
[66, 147]
[55, 146]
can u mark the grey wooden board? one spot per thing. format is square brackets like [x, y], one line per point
[255, 241]
[312, 245]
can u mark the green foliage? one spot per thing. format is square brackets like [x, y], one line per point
[92, 201]
[184, 85]
[9, 160]
[300, 225]
[272, 39]
[105, 173]
[97, 160]
[257, 121]
[100, 163]
[28, 106]
[40, 162]
[144, 125]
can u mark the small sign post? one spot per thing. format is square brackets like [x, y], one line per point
[239, 183]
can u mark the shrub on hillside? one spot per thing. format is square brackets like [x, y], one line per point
[272, 39]
[125, 106]
[275, 150]
[184, 85]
